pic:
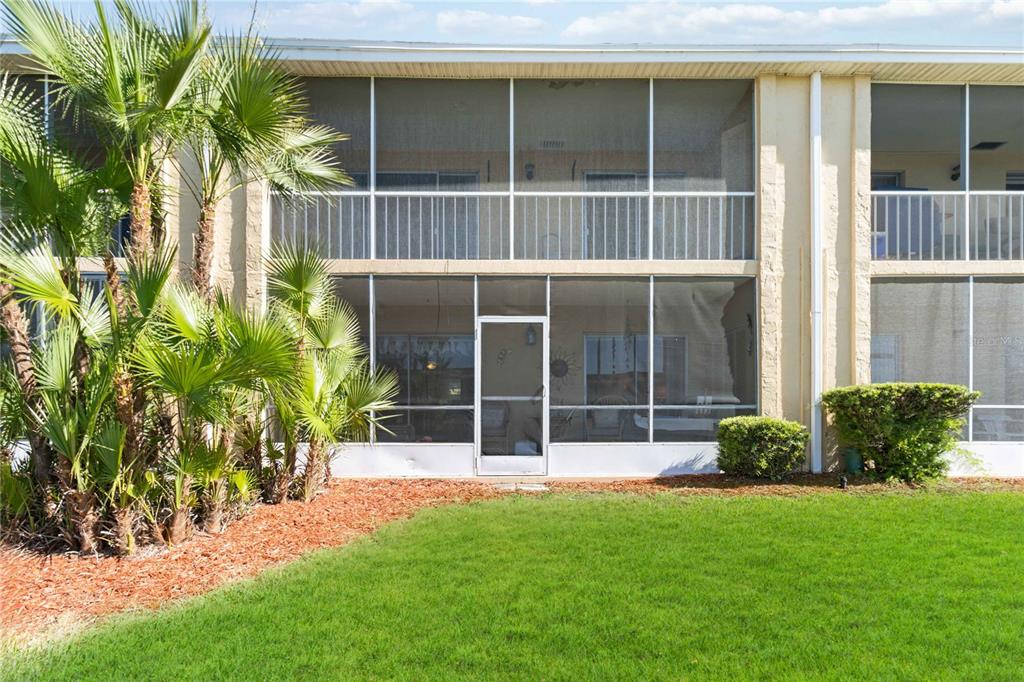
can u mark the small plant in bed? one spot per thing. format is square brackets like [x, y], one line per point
[904, 431]
[760, 447]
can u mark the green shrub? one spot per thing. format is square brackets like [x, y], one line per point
[902, 430]
[760, 447]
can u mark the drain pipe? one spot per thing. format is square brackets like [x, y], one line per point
[817, 304]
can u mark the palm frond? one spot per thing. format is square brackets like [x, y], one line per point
[297, 279]
[148, 275]
[36, 277]
[336, 328]
[53, 360]
[184, 315]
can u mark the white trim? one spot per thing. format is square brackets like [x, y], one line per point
[373, 169]
[650, 170]
[970, 353]
[372, 341]
[650, 361]
[509, 465]
[817, 256]
[372, 51]
[511, 168]
[965, 166]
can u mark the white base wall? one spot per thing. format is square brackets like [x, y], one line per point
[631, 459]
[564, 460]
[417, 460]
[989, 459]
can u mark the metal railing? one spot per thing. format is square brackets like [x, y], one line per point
[429, 225]
[334, 224]
[996, 225]
[915, 225]
[704, 227]
[520, 225]
[581, 227]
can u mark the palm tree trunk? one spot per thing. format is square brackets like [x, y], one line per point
[202, 255]
[82, 510]
[142, 219]
[179, 526]
[114, 284]
[285, 476]
[313, 476]
[12, 317]
[124, 530]
[215, 504]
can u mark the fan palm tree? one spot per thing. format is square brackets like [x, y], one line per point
[133, 77]
[48, 196]
[196, 357]
[335, 397]
[252, 128]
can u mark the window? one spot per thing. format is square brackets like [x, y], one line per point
[705, 350]
[997, 135]
[512, 295]
[999, 340]
[917, 128]
[920, 332]
[425, 335]
[449, 135]
[598, 359]
[344, 105]
[704, 135]
[883, 180]
[1015, 181]
[568, 129]
[926, 319]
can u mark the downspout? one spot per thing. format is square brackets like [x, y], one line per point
[816, 275]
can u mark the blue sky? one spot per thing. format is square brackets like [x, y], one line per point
[982, 23]
[919, 22]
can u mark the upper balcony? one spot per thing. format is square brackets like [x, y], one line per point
[947, 172]
[532, 170]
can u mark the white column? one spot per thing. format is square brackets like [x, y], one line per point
[650, 171]
[373, 168]
[817, 258]
[511, 168]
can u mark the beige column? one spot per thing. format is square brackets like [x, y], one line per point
[860, 273]
[770, 191]
[784, 245]
[255, 245]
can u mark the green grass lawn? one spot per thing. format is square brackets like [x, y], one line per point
[898, 586]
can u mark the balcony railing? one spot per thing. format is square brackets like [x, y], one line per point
[457, 227]
[947, 225]
[709, 227]
[523, 226]
[997, 226]
[334, 224]
[581, 227]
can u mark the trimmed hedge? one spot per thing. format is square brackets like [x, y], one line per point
[903, 430]
[760, 447]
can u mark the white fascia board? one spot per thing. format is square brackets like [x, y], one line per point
[370, 51]
[315, 50]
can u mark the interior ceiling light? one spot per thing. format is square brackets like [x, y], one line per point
[988, 145]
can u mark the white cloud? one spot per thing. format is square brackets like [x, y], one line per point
[322, 18]
[676, 21]
[470, 22]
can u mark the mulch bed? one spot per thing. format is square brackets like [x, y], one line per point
[45, 596]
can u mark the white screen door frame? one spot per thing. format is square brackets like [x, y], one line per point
[511, 465]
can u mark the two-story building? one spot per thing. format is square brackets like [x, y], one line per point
[579, 259]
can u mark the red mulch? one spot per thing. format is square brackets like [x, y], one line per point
[42, 594]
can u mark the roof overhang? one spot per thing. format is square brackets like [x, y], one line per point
[309, 57]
